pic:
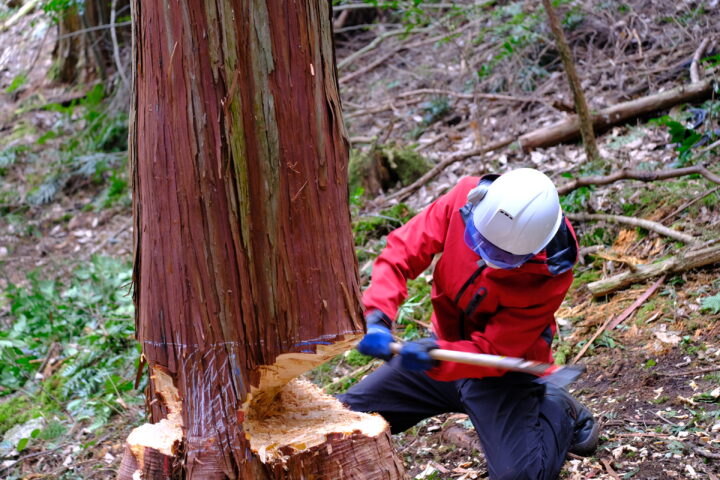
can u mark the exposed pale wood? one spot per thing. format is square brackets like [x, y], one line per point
[288, 366]
[680, 263]
[637, 222]
[150, 448]
[308, 434]
[569, 129]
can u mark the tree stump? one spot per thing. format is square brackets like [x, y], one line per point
[302, 433]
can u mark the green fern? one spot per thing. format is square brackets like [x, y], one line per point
[711, 304]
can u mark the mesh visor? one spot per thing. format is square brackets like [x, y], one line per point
[489, 252]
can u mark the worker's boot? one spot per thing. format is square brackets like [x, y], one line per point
[586, 431]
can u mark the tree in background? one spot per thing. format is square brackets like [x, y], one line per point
[86, 48]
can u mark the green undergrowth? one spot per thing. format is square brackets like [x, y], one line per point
[383, 167]
[67, 348]
[374, 226]
[84, 150]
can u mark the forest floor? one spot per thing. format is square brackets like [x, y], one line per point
[439, 83]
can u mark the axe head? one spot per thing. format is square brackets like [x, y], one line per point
[563, 376]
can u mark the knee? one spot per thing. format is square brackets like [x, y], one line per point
[353, 402]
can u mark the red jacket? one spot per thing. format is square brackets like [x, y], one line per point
[475, 308]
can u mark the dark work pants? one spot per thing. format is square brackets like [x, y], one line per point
[524, 433]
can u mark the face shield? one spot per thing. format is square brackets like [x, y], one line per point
[489, 252]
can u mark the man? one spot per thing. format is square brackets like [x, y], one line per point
[506, 265]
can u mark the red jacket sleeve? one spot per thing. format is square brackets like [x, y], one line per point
[511, 332]
[410, 250]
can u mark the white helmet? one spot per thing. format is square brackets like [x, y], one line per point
[515, 218]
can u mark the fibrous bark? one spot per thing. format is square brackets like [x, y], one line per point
[245, 271]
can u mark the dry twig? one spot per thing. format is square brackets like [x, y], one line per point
[637, 303]
[642, 175]
[694, 71]
[116, 47]
[403, 193]
[706, 453]
[637, 222]
[469, 96]
[689, 203]
[597, 333]
[691, 373]
[404, 46]
[608, 467]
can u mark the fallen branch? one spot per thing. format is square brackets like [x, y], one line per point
[613, 322]
[637, 303]
[398, 49]
[469, 96]
[691, 373]
[706, 453]
[689, 203]
[19, 14]
[637, 222]
[694, 71]
[680, 263]
[608, 467]
[403, 193]
[642, 175]
[597, 333]
[380, 108]
[379, 61]
[357, 372]
[370, 46]
[569, 129]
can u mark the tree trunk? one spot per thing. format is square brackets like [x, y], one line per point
[68, 49]
[245, 271]
[586, 126]
[84, 49]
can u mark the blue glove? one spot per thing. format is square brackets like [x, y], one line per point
[416, 355]
[376, 341]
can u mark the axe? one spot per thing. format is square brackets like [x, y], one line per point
[559, 375]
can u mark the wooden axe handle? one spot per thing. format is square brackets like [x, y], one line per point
[486, 360]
